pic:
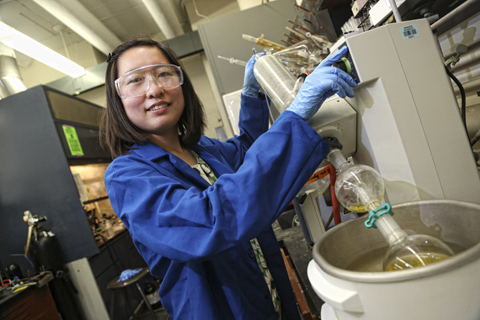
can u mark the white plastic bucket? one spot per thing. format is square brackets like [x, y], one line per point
[446, 290]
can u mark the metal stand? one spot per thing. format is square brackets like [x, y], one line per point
[113, 284]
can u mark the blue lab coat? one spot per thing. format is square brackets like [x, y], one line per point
[196, 237]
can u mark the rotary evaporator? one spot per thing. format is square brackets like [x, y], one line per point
[408, 154]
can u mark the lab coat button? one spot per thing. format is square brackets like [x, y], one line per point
[251, 254]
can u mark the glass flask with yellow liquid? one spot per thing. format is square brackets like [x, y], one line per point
[360, 188]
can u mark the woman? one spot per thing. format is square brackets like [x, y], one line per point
[193, 204]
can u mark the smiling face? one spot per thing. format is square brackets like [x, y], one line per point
[157, 111]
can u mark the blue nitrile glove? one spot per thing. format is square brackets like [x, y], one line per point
[324, 82]
[251, 87]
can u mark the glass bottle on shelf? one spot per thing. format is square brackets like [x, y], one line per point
[360, 188]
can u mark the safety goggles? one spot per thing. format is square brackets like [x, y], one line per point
[136, 82]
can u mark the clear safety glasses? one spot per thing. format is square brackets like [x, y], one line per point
[137, 82]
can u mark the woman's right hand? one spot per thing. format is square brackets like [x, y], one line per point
[324, 82]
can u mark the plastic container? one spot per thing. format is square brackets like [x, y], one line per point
[319, 182]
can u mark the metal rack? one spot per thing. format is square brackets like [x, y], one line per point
[364, 15]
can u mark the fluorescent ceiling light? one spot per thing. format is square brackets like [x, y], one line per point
[26, 45]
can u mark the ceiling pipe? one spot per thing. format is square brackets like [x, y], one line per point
[173, 15]
[170, 27]
[83, 22]
[10, 79]
[393, 5]
[456, 16]
[247, 4]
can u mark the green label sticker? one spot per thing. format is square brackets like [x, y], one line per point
[72, 140]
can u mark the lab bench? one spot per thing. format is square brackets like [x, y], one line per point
[33, 302]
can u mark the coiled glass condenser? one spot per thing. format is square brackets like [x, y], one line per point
[275, 79]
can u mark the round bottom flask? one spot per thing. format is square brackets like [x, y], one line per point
[415, 251]
[361, 188]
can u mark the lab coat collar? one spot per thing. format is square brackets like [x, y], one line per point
[149, 151]
[154, 153]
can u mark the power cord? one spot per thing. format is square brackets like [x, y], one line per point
[462, 93]
[464, 109]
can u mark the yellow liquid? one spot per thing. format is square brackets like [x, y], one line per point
[359, 207]
[413, 261]
[270, 44]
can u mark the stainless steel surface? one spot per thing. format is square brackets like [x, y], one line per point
[454, 222]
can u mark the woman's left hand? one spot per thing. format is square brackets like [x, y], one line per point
[321, 84]
[251, 87]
